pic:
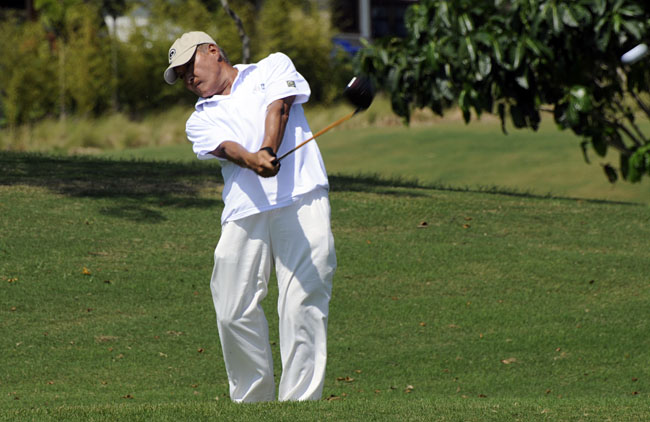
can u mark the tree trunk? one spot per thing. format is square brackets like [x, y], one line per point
[246, 51]
[114, 95]
[61, 80]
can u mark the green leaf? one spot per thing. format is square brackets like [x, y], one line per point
[631, 10]
[498, 53]
[470, 48]
[484, 65]
[394, 76]
[581, 13]
[639, 164]
[625, 166]
[584, 146]
[599, 144]
[633, 28]
[445, 88]
[533, 46]
[465, 24]
[610, 172]
[599, 7]
[580, 98]
[461, 100]
[572, 116]
[517, 115]
[443, 13]
[522, 81]
[432, 56]
[538, 48]
[602, 39]
[383, 55]
[519, 53]
[557, 21]
[567, 16]
[617, 23]
[501, 109]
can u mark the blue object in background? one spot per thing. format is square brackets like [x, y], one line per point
[347, 46]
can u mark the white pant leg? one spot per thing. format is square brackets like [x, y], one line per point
[305, 262]
[239, 283]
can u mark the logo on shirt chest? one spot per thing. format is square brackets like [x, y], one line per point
[259, 88]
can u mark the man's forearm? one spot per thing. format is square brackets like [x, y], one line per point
[232, 151]
[277, 116]
[261, 162]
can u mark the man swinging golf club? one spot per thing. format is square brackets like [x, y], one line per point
[273, 216]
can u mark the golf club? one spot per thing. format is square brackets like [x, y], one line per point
[635, 54]
[360, 93]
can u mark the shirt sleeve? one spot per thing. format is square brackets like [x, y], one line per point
[206, 136]
[283, 80]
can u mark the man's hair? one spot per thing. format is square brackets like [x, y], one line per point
[204, 49]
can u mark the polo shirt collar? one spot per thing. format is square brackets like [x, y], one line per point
[242, 70]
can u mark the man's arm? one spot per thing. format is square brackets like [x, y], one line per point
[277, 116]
[261, 162]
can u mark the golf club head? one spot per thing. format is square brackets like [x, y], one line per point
[360, 92]
[635, 54]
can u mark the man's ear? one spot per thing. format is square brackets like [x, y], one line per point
[212, 48]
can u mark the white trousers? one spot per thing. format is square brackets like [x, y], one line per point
[298, 240]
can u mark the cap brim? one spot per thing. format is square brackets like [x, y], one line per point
[179, 60]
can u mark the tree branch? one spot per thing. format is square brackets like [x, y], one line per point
[622, 127]
[614, 142]
[640, 103]
[638, 131]
[628, 115]
[245, 40]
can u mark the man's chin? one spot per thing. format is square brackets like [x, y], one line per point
[204, 93]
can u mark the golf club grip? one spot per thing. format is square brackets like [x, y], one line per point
[319, 133]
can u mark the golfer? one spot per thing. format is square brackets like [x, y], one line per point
[274, 216]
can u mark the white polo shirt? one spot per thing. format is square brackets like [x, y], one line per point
[240, 117]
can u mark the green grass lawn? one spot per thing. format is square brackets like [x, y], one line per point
[448, 305]
[450, 153]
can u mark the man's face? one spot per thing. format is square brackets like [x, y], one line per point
[203, 73]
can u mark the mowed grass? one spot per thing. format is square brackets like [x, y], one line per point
[448, 305]
[451, 153]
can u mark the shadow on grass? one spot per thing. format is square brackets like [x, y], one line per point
[138, 187]
[165, 183]
[378, 184]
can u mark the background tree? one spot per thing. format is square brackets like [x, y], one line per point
[518, 58]
[71, 62]
[28, 71]
[245, 39]
[301, 30]
[113, 9]
[88, 66]
[52, 14]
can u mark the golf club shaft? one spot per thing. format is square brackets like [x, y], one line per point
[319, 133]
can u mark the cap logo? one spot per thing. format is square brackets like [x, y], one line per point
[172, 53]
[291, 84]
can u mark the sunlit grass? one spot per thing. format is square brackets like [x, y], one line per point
[447, 305]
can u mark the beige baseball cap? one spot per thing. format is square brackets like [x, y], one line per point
[182, 51]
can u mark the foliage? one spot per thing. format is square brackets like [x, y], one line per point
[519, 58]
[299, 30]
[52, 13]
[70, 63]
[27, 73]
[87, 70]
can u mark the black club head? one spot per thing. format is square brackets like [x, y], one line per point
[360, 92]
